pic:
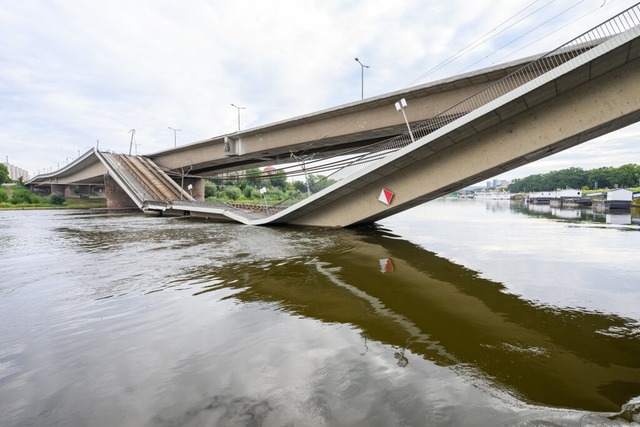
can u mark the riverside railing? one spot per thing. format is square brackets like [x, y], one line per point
[616, 25]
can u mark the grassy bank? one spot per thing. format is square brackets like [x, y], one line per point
[68, 204]
[13, 196]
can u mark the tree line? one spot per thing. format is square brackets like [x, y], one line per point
[626, 176]
[21, 196]
[4, 174]
[245, 186]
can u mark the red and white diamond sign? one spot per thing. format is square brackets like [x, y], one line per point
[386, 266]
[385, 196]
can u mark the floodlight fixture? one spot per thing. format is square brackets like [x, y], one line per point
[400, 106]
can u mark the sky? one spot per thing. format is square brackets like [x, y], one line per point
[76, 74]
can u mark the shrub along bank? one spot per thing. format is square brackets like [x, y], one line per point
[19, 197]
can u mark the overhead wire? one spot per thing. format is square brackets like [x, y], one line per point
[523, 35]
[501, 59]
[479, 41]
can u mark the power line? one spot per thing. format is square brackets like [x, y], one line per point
[518, 38]
[480, 41]
[548, 34]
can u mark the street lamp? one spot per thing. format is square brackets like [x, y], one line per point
[239, 108]
[362, 67]
[400, 106]
[175, 143]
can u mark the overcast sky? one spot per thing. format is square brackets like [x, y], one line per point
[77, 71]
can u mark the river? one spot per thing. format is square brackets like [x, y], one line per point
[453, 313]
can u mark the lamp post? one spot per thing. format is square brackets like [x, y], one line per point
[239, 108]
[400, 106]
[175, 143]
[362, 67]
[132, 132]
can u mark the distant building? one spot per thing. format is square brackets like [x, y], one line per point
[15, 172]
[497, 183]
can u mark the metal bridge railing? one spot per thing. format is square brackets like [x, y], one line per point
[619, 24]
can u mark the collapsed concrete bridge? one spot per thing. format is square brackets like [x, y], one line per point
[466, 129]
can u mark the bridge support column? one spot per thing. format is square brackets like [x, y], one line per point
[197, 187]
[84, 190]
[117, 198]
[58, 188]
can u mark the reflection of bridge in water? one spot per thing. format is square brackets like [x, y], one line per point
[467, 129]
[447, 314]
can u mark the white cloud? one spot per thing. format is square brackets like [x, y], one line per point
[72, 72]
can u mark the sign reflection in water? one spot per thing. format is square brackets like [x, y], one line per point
[480, 314]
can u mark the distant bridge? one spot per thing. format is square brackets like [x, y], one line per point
[525, 111]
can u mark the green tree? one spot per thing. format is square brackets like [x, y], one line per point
[4, 195]
[4, 174]
[22, 195]
[604, 177]
[279, 179]
[247, 191]
[252, 176]
[299, 186]
[319, 182]
[627, 175]
[600, 177]
[275, 194]
[232, 193]
[210, 189]
[57, 199]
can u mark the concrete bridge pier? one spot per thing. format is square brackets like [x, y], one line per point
[84, 190]
[197, 186]
[58, 188]
[117, 198]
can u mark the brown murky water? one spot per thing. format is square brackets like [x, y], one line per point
[454, 313]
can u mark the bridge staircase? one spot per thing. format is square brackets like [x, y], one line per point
[145, 183]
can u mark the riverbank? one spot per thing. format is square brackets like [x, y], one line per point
[79, 203]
